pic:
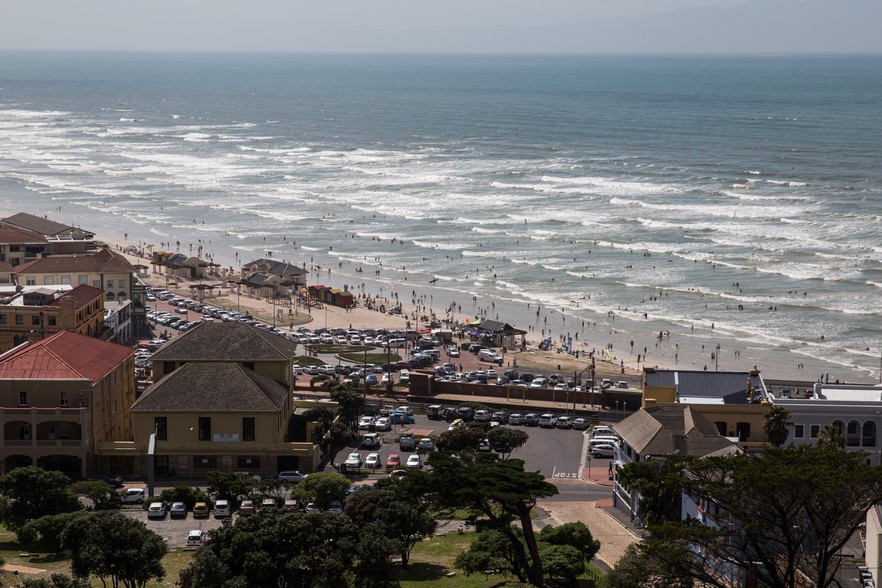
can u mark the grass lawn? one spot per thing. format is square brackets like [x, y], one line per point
[305, 361]
[432, 559]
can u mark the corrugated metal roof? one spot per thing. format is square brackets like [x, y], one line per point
[729, 387]
[64, 355]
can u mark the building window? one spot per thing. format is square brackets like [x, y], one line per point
[109, 284]
[852, 435]
[160, 425]
[62, 399]
[35, 320]
[743, 431]
[799, 431]
[247, 462]
[65, 280]
[22, 398]
[2, 319]
[52, 321]
[868, 434]
[96, 283]
[82, 279]
[19, 319]
[247, 428]
[814, 430]
[205, 462]
[30, 281]
[205, 428]
[48, 280]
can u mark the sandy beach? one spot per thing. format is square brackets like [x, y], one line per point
[631, 348]
[628, 356]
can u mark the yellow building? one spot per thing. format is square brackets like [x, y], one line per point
[60, 398]
[730, 400]
[221, 400]
[34, 313]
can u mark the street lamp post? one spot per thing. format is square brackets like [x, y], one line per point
[191, 456]
[717, 358]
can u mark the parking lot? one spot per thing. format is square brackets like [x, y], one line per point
[556, 453]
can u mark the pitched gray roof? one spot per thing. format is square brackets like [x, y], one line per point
[278, 268]
[226, 342]
[667, 429]
[212, 387]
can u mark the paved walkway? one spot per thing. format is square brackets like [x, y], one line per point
[14, 569]
[613, 534]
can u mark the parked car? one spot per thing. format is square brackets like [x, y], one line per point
[425, 443]
[335, 507]
[200, 510]
[484, 445]
[393, 461]
[500, 416]
[290, 505]
[178, 510]
[312, 507]
[406, 442]
[133, 496]
[372, 460]
[221, 508]
[580, 424]
[531, 419]
[397, 474]
[547, 420]
[246, 508]
[116, 482]
[482, 415]
[156, 510]
[564, 422]
[291, 476]
[603, 450]
[353, 460]
[398, 418]
[196, 538]
[516, 419]
[383, 424]
[365, 422]
[414, 461]
[268, 505]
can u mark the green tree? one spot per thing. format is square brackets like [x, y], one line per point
[462, 439]
[401, 516]
[504, 440]
[323, 488]
[46, 531]
[351, 403]
[112, 546]
[501, 490]
[229, 486]
[103, 495]
[32, 492]
[784, 515]
[658, 482]
[340, 435]
[775, 425]
[576, 535]
[562, 561]
[636, 568]
[289, 550]
[832, 436]
[493, 551]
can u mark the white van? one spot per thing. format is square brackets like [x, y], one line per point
[489, 355]
[221, 509]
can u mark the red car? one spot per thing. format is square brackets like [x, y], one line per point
[393, 461]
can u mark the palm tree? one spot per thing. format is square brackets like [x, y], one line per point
[832, 436]
[775, 425]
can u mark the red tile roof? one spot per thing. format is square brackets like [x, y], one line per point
[64, 355]
[82, 295]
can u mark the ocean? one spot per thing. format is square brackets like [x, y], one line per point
[731, 201]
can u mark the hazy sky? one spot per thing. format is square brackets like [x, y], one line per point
[411, 26]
